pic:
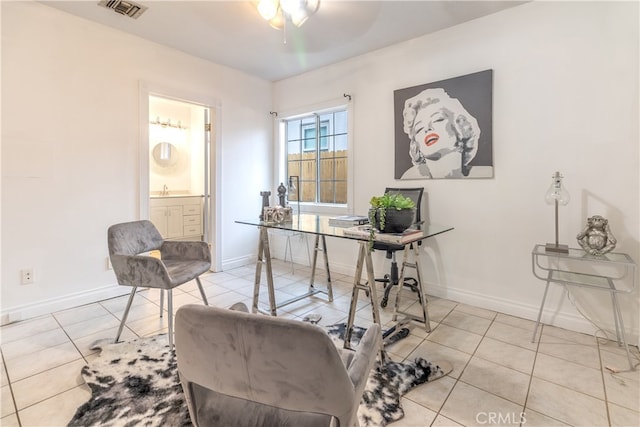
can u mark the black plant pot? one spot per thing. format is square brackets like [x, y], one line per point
[396, 221]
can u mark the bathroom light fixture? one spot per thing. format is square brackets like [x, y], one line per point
[557, 195]
[278, 12]
[168, 123]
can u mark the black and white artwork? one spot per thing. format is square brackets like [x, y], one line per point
[444, 129]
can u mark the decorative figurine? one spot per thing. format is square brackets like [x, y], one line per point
[276, 214]
[282, 191]
[596, 238]
[265, 202]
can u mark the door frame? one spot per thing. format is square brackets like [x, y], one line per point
[147, 89]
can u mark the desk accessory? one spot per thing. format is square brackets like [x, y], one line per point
[597, 238]
[557, 195]
[348, 220]
[364, 232]
[295, 186]
[265, 202]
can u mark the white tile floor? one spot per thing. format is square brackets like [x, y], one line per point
[499, 376]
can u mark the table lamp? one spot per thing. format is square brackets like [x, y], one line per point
[557, 195]
[295, 186]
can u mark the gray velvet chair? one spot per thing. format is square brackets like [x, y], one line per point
[248, 370]
[129, 246]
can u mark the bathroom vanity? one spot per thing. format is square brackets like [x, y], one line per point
[177, 217]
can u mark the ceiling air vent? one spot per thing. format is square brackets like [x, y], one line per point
[128, 8]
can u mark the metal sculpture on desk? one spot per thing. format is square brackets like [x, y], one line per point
[276, 214]
[597, 238]
[265, 202]
[282, 193]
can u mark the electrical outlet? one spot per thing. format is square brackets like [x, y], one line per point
[27, 276]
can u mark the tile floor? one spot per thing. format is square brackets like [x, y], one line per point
[499, 377]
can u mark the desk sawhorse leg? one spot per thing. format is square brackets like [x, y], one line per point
[421, 294]
[364, 257]
[323, 249]
[264, 258]
[287, 248]
[621, 336]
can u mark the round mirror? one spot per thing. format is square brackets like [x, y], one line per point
[165, 154]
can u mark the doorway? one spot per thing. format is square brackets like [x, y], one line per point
[178, 170]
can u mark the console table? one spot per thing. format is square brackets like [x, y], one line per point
[318, 225]
[571, 270]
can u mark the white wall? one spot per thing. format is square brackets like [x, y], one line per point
[565, 98]
[70, 143]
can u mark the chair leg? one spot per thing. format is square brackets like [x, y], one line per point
[126, 313]
[170, 316]
[204, 297]
[161, 302]
[394, 270]
[393, 281]
[412, 284]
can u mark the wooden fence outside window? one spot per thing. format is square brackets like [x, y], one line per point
[333, 176]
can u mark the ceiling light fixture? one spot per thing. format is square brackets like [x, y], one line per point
[278, 12]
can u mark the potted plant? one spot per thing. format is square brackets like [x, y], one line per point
[390, 213]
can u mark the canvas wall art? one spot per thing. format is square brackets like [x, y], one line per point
[444, 129]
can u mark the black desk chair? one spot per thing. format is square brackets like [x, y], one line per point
[390, 280]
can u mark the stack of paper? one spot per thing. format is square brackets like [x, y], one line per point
[348, 220]
[362, 231]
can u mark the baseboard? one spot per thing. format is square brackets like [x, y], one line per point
[30, 311]
[550, 315]
[228, 264]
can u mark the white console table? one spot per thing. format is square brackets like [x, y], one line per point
[570, 269]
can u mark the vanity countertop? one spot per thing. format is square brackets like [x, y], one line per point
[173, 196]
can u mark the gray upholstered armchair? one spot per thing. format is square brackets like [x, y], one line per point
[180, 262]
[242, 369]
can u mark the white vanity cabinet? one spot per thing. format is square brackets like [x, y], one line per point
[177, 217]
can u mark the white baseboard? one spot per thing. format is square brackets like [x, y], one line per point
[29, 311]
[527, 311]
[550, 315]
[238, 262]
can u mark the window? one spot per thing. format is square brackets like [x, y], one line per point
[316, 151]
[309, 133]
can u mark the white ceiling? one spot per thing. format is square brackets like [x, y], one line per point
[232, 33]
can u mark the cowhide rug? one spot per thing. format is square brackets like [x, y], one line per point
[136, 384]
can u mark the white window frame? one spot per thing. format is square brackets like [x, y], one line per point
[281, 167]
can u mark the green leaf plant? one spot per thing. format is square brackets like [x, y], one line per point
[379, 205]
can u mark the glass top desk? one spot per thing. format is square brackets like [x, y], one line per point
[318, 225]
[576, 269]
